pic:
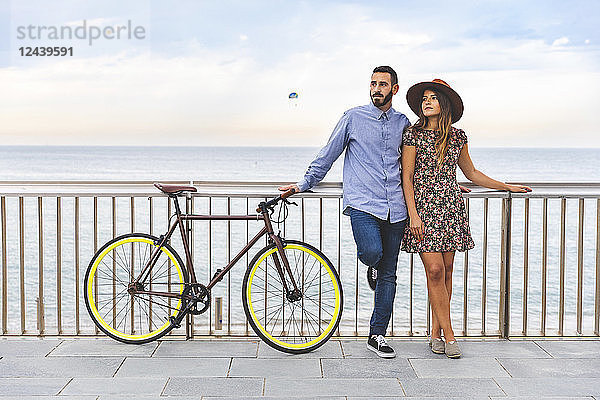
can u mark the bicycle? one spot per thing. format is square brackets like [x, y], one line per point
[137, 288]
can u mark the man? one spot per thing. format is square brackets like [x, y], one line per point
[373, 198]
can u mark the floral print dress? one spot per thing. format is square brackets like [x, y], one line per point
[438, 198]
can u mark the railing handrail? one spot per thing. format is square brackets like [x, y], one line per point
[263, 188]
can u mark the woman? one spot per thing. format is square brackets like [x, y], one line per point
[439, 225]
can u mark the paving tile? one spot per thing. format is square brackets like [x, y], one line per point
[92, 397]
[102, 348]
[214, 386]
[451, 387]
[537, 387]
[459, 368]
[331, 349]
[367, 368]
[207, 348]
[333, 387]
[29, 347]
[136, 397]
[116, 386]
[251, 367]
[541, 398]
[403, 349]
[571, 348]
[174, 367]
[31, 386]
[276, 398]
[59, 366]
[501, 349]
[420, 398]
[577, 368]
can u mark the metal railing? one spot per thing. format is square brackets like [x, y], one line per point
[535, 270]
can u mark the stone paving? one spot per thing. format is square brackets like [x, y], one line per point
[99, 369]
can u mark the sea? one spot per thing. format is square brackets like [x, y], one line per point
[476, 288]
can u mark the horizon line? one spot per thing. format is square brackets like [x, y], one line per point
[267, 146]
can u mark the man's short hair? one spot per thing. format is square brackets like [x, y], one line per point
[389, 70]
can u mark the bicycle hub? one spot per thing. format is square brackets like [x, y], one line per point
[135, 287]
[294, 295]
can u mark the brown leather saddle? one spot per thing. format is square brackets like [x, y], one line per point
[174, 190]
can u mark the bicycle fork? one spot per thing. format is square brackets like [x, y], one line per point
[292, 294]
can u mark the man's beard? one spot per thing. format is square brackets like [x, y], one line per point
[378, 101]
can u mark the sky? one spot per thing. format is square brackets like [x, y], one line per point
[210, 73]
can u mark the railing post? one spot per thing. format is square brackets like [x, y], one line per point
[4, 268]
[40, 300]
[504, 308]
[22, 261]
[189, 319]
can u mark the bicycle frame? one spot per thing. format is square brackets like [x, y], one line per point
[179, 222]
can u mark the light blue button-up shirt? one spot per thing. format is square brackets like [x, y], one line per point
[372, 178]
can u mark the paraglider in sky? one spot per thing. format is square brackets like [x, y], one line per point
[293, 99]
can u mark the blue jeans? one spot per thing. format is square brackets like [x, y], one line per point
[378, 244]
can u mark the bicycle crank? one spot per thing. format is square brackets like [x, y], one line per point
[192, 304]
[201, 301]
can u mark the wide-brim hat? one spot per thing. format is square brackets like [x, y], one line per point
[414, 97]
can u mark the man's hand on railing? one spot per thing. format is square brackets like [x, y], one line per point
[288, 187]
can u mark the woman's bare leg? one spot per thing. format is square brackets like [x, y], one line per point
[435, 269]
[436, 330]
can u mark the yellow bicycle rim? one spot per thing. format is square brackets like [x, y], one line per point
[90, 294]
[336, 291]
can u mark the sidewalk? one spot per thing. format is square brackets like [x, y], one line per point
[81, 368]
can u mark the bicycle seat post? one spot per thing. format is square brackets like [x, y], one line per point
[176, 202]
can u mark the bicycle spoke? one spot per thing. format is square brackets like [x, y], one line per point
[322, 309]
[145, 312]
[111, 300]
[125, 263]
[114, 306]
[126, 308]
[112, 277]
[158, 270]
[275, 324]
[143, 259]
[166, 305]
[276, 277]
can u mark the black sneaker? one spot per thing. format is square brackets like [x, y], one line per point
[377, 344]
[372, 277]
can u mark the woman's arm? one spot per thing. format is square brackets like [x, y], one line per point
[408, 172]
[481, 179]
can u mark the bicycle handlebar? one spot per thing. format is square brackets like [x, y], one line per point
[277, 199]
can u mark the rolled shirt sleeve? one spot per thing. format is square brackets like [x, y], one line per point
[322, 163]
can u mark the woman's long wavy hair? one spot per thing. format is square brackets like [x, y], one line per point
[444, 124]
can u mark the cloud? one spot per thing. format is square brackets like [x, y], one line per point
[516, 90]
[561, 41]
